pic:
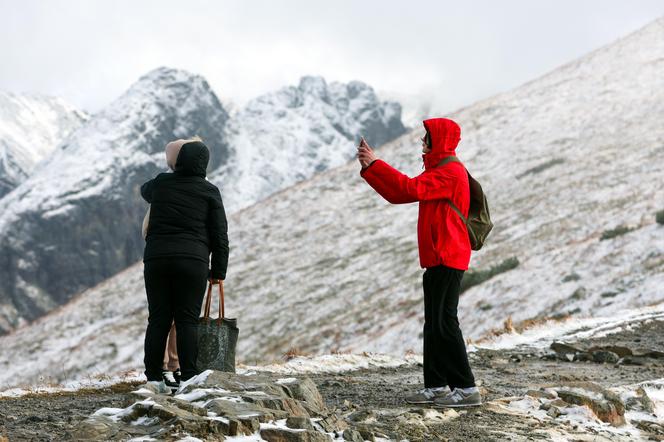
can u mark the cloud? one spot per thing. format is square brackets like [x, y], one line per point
[453, 52]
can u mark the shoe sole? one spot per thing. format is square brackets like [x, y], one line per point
[419, 402]
[456, 405]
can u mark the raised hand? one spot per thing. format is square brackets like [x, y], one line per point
[365, 154]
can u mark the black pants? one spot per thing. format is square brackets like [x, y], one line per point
[175, 289]
[445, 358]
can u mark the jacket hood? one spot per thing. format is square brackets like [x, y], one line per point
[193, 159]
[445, 135]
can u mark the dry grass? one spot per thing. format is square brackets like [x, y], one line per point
[510, 327]
[293, 353]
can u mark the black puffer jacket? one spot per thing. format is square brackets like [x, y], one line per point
[187, 217]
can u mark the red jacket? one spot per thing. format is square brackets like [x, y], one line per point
[441, 234]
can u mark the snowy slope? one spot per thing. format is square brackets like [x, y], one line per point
[286, 136]
[31, 126]
[327, 265]
[72, 223]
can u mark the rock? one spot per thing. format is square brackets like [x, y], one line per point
[562, 348]
[652, 354]
[286, 435]
[640, 402]
[95, 428]
[305, 390]
[583, 357]
[605, 404]
[553, 412]
[331, 423]
[603, 356]
[366, 434]
[540, 394]
[633, 360]
[362, 416]
[234, 405]
[301, 423]
[223, 407]
[565, 352]
[547, 405]
[621, 351]
[352, 435]
[654, 429]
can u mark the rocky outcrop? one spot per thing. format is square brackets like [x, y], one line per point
[216, 404]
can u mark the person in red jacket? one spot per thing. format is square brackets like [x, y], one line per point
[444, 249]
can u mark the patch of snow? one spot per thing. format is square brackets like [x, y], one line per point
[283, 381]
[196, 380]
[572, 329]
[336, 363]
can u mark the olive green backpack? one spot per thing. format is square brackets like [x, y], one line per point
[478, 222]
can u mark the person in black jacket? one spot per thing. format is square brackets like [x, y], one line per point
[187, 223]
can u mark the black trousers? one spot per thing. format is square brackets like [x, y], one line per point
[175, 289]
[445, 358]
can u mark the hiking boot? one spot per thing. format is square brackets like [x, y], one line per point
[158, 387]
[170, 379]
[460, 397]
[427, 395]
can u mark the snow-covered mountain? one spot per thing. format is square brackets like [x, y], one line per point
[31, 126]
[327, 265]
[286, 136]
[75, 221]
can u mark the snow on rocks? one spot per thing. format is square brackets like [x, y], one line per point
[627, 411]
[216, 405]
[91, 382]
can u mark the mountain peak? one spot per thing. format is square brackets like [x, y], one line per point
[313, 85]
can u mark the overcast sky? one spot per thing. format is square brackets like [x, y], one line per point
[90, 51]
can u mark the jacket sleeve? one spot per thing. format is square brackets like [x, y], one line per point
[398, 188]
[146, 190]
[218, 234]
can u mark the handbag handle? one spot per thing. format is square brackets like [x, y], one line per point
[208, 301]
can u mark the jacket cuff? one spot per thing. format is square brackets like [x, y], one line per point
[216, 275]
[363, 171]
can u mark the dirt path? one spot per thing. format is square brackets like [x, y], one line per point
[48, 417]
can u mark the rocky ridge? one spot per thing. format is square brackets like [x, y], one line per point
[31, 126]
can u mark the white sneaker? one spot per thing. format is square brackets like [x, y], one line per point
[157, 387]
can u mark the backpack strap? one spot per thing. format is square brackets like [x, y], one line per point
[450, 159]
[453, 159]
